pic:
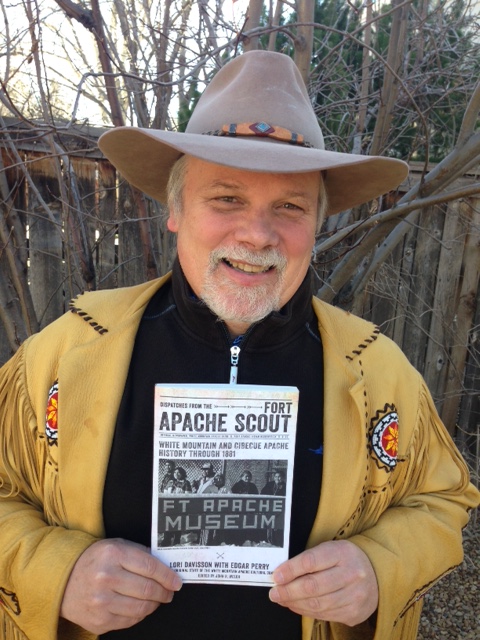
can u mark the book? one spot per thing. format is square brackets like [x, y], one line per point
[222, 480]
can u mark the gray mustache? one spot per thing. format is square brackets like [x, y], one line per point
[266, 258]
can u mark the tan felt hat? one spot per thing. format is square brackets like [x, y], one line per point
[254, 115]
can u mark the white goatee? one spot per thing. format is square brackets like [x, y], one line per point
[233, 303]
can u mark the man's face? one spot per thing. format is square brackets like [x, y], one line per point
[244, 239]
[218, 480]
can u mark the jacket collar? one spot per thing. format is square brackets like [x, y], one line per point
[115, 309]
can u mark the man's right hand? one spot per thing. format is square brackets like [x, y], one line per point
[115, 584]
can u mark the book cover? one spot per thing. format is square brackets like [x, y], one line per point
[222, 481]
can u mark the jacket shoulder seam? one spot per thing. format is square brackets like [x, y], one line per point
[86, 317]
[364, 344]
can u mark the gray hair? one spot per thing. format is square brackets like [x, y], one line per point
[176, 182]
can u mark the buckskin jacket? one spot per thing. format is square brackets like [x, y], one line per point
[393, 482]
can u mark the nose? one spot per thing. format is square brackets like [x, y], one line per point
[257, 229]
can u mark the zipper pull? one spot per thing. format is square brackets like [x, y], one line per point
[234, 356]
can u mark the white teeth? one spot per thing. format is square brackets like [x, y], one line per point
[249, 268]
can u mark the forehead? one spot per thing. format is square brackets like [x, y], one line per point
[201, 175]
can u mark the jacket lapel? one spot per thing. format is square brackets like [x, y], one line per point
[345, 452]
[92, 376]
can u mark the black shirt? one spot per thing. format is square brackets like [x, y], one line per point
[180, 341]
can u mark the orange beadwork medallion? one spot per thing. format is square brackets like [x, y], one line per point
[384, 438]
[51, 426]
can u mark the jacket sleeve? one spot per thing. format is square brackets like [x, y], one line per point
[418, 538]
[38, 552]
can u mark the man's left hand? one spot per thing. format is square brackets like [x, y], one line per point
[333, 581]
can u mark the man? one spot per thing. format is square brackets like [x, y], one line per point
[245, 484]
[277, 486]
[375, 521]
[168, 478]
[219, 483]
[207, 480]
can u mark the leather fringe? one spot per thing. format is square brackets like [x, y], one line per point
[29, 463]
[17, 411]
[8, 629]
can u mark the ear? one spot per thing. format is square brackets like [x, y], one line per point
[172, 222]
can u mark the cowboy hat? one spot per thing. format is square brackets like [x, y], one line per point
[254, 115]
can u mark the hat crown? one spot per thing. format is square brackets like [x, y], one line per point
[258, 86]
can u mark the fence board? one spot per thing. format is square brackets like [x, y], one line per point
[46, 272]
[131, 266]
[5, 350]
[402, 308]
[106, 255]
[46, 266]
[468, 431]
[465, 311]
[422, 290]
[383, 292]
[84, 212]
[442, 327]
[12, 331]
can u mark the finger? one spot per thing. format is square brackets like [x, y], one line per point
[344, 605]
[103, 611]
[144, 564]
[129, 608]
[319, 558]
[139, 587]
[138, 560]
[311, 585]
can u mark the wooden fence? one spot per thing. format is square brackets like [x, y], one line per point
[425, 297]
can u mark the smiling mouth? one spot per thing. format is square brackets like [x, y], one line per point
[247, 268]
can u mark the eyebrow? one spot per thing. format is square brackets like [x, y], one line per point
[223, 184]
[239, 186]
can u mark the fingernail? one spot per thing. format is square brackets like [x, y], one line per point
[273, 594]
[178, 585]
[277, 577]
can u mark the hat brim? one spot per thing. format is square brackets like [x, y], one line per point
[145, 156]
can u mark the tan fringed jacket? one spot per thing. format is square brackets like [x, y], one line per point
[393, 483]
